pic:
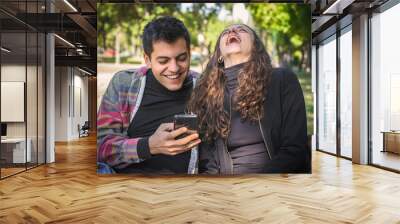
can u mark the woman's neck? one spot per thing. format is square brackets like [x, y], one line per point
[234, 60]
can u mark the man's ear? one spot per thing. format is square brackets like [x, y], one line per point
[147, 60]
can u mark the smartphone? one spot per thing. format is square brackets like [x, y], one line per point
[186, 120]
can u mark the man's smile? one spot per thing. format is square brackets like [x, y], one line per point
[173, 76]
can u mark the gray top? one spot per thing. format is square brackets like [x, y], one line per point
[245, 143]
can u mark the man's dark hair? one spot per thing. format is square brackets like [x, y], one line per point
[167, 28]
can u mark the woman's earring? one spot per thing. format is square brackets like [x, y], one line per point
[220, 60]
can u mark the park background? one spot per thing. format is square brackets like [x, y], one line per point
[284, 29]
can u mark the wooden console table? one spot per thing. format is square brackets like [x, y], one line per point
[391, 141]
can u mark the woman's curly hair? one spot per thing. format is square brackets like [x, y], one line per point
[208, 96]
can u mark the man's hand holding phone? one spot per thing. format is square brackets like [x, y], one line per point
[164, 140]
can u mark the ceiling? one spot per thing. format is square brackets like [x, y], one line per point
[330, 15]
[74, 22]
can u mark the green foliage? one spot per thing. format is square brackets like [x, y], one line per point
[128, 19]
[214, 29]
[288, 25]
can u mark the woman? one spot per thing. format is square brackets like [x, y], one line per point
[251, 116]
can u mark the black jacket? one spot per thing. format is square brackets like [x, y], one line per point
[283, 127]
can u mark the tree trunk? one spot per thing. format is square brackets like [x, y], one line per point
[302, 66]
[280, 55]
[306, 62]
[104, 40]
[133, 47]
[117, 48]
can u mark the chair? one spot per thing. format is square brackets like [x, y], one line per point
[84, 130]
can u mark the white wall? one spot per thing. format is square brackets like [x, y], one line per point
[14, 73]
[80, 89]
[61, 103]
[69, 85]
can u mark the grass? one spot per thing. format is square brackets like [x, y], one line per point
[306, 85]
[123, 60]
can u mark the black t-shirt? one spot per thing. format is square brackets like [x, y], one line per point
[158, 105]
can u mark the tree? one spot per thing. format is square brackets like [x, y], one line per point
[197, 19]
[120, 25]
[288, 26]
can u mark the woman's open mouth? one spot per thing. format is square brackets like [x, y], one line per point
[232, 39]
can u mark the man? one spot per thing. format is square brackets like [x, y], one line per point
[135, 133]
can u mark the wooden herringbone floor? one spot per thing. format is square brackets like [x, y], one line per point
[70, 191]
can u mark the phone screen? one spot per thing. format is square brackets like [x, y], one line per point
[186, 120]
